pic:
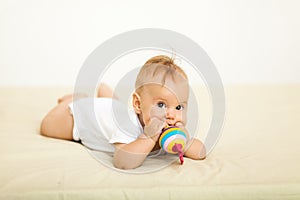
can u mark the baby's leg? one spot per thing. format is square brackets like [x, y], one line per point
[58, 123]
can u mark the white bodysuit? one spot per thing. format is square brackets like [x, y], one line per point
[101, 122]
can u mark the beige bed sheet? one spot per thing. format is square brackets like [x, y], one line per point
[257, 156]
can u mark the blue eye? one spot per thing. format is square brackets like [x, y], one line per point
[179, 107]
[161, 104]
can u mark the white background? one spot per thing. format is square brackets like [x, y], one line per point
[44, 43]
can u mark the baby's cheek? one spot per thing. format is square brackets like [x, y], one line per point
[182, 116]
[158, 112]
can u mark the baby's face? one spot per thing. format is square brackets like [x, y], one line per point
[168, 102]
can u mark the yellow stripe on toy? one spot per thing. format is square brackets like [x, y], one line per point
[173, 140]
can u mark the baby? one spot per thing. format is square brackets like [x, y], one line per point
[160, 99]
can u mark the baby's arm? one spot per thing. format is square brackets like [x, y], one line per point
[196, 150]
[132, 155]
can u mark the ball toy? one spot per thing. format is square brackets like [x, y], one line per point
[173, 140]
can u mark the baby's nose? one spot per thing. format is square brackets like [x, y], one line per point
[170, 114]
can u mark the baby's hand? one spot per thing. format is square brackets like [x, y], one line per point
[154, 127]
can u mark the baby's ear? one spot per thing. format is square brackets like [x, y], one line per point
[136, 103]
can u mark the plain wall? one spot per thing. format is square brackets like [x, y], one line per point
[44, 43]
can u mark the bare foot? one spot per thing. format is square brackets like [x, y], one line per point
[69, 97]
[105, 91]
[64, 98]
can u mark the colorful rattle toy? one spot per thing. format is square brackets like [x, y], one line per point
[173, 140]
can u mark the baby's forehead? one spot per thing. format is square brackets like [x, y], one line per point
[170, 91]
[163, 80]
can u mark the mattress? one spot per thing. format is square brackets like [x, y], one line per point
[257, 156]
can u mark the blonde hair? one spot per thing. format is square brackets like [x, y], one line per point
[158, 65]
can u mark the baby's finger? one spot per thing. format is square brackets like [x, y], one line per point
[179, 124]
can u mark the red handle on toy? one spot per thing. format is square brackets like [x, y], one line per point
[178, 148]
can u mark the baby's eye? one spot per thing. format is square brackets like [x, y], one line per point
[179, 107]
[161, 104]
